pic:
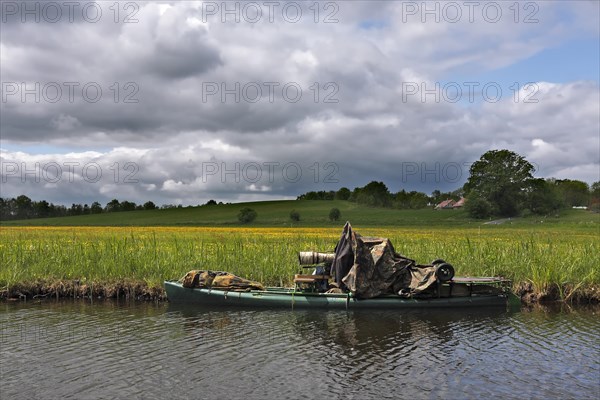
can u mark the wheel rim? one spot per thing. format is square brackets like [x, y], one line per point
[444, 272]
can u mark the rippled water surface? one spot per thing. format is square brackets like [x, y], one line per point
[110, 350]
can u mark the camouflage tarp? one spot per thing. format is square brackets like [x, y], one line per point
[369, 267]
[218, 280]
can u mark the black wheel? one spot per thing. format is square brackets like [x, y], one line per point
[437, 261]
[444, 272]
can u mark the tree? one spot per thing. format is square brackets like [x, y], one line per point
[96, 208]
[295, 216]
[418, 200]
[247, 215]
[76, 209]
[24, 207]
[320, 195]
[436, 196]
[543, 197]
[573, 192]
[334, 214]
[595, 197]
[41, 209]
[113, 206]
[127, 206]
[149, 206]
[5, 209]
[374, 194]
[502, 178]
[343, 194]
[595, 189]
[478, 207]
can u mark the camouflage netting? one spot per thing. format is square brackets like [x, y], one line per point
[369, 267]
[218, 280]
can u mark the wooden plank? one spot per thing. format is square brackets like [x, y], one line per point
[466, 279]
[301, 278]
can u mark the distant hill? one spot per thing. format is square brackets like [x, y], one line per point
[270, 213]
[313, 213]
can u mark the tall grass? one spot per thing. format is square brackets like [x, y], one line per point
[547, 260]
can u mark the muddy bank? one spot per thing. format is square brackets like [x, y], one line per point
[125, 289]
[141, 290]
[555, 293]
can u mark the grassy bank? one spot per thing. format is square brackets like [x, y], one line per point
[545, 262]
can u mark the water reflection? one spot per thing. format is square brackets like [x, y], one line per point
[348, 349]
[152, 350]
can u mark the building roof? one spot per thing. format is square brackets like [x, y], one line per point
[459, 203]
[445, 204]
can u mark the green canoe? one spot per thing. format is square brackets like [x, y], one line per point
[293, 298]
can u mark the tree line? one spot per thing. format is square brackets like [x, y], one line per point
[377, 194]
[500, 183]
[22, 207]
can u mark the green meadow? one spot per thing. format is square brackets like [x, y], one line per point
[131, 253]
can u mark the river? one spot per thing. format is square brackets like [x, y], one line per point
[79, 350]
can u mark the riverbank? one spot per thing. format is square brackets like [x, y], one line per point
[74, 289]
[545, 262]
[141, 290]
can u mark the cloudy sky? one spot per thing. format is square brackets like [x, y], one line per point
[181, 102]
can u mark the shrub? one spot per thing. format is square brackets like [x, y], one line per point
[247, 215]
[334, 214]
[295, 216]
[478, 207]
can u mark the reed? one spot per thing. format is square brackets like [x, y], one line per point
[557, 264]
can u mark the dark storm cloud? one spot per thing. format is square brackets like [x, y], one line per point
[190, 56]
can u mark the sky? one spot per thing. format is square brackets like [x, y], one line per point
[182, 102]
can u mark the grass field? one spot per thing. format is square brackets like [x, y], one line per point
[558, 258]
[132, 252]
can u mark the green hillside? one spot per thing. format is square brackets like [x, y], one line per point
[312, 213]
[270, 213]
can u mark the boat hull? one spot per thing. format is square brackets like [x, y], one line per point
[288, 298]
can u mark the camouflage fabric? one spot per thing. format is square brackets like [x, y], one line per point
[369, 267]
[415, 280]
[218, 280]
[344, 256]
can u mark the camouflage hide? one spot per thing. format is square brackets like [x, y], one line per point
[344, 256]
[369, 267]
[218, 280]
[415, 280]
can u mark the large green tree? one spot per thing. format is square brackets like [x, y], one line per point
[503, 179]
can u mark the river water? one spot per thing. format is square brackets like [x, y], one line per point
[155, 350]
